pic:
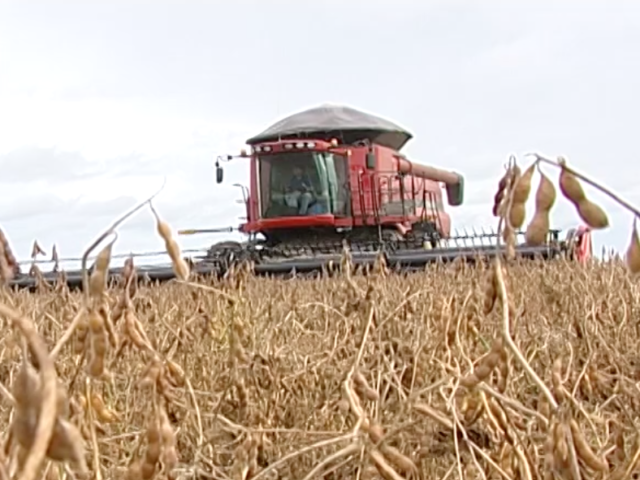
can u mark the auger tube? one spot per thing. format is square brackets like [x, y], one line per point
[432, 173]
[454, 182]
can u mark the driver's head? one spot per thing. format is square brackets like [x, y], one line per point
[297, 172]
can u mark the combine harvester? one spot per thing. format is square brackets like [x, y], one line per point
[333, 176]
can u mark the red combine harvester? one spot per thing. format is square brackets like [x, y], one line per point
[333, 175]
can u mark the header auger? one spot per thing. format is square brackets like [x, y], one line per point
[333, 176]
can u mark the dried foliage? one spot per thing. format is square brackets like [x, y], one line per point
[514, 369]
[406, 376]
[8, 264]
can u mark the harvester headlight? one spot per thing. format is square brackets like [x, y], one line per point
[311, 144]
[258, 149]
[300, 145]
[266, 148]
[334, 142]
[288, 146]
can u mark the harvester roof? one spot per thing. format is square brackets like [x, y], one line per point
[346, 123]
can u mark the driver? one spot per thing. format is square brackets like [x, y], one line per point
[299, 191]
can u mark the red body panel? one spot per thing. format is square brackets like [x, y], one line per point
[584, 247]
[377, 196]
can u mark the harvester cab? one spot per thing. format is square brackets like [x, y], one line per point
[303, 179]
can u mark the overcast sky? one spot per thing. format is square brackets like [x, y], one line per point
[101, 100]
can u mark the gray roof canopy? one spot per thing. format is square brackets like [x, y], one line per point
[345, 123]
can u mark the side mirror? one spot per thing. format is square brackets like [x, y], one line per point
[219, 174]
[371, 161]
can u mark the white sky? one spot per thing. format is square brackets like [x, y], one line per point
[101, 100]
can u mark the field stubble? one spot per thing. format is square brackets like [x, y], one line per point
[269, 378]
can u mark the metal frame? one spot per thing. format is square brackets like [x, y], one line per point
[407, 260]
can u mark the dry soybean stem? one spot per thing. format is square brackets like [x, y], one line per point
[447, 423]
[344, 453]
[207, 288]
[355, 407]
[365, 335]
[106, 233]
[4, 475]
[593, 183]
[509, 191]
[321, 444]
[502, 291]
[7, 395]
[512, 403]
[47, 418]
[67, 334]
[194, 400]
[92, 429]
